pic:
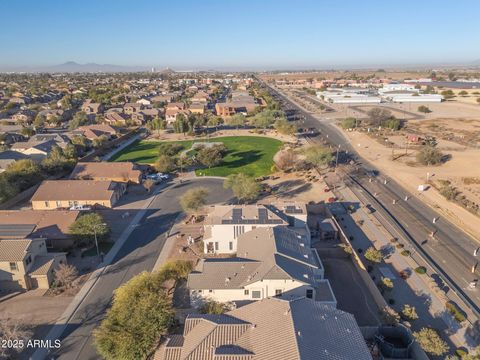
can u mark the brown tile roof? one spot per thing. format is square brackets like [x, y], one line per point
[270, 329]
[14, 250]
[51, 190]
[263, 253]
[48, 224]
[41, 265]
[106, 171]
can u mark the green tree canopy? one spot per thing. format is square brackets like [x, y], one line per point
[84, 228]
[244, 187]
[317, 155]
[165, 164]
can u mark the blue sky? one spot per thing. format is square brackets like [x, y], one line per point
[234, 33]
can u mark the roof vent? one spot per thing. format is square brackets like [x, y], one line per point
[227, 279]
[253, 326]
[302, 244]
[299, 333]
[305, 256]
[305, 276]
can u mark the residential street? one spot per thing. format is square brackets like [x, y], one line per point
[139, 253]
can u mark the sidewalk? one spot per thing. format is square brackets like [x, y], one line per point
[121, 147]
[414, 291]
[62, 322]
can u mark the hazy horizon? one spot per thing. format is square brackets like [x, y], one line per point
[265, 35]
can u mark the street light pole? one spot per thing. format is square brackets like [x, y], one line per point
[95, 234]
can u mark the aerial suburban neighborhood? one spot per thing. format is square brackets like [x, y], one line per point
[238, 195]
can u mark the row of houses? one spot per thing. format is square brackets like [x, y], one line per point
[33, 242]
[283, 307]
[38, 146]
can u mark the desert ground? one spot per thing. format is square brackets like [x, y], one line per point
[462, 170]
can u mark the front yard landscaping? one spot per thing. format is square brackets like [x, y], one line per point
[251, 155]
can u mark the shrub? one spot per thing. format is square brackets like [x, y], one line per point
[373, 255]
[421, 270]
[429, 155]
[399, 246]
[457, 313]
[409, 312]
[405, 253]
[431, 342]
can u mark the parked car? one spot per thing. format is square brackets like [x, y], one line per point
[80, 207]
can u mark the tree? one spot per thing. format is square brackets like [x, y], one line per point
[39, 121]
[211, 155]
[349, 123]
[463, 93]
[65, 274]
[170, 148]
[317, 155]
[85, 227]
[28, 131]
[387, 283]
[100, 141]
[141, 312]
[79, 119]
[236, 120]
[182, 161]
[424, 109]
[378, 116]
[286, 160]
[194, 199]
[214, 307]
[165, 164]
[244, 187]
[57, 160]
[284, 127]
[389, 316]
[409, 312]
[431, 342]
[156, 124]
[373, 255]
[214, 121]
[392, 123]
[12, 330]
[448, 94]
[429, 155]
[180, 125]
[265, 118]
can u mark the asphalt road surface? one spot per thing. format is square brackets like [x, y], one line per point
[450, 249]
[139, 253]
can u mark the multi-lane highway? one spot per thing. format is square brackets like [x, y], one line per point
[450, 251]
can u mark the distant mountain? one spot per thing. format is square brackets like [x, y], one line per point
[72, 66]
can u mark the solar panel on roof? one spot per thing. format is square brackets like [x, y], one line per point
[19, 231]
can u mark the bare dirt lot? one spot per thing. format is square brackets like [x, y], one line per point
[462, 170]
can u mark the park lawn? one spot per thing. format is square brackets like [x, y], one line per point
[251, 155]
[144, 152]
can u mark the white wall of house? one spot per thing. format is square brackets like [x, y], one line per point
[255, 291]
[224, 237]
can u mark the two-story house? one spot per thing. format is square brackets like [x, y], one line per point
[26, 264]
[271, 261]
[225, 223]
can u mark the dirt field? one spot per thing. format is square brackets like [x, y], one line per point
[330, 75]
[462, 170]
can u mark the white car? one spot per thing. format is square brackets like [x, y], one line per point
[80, 207]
